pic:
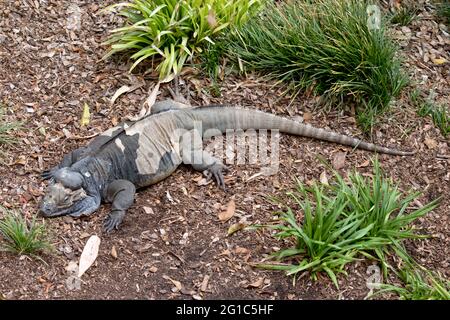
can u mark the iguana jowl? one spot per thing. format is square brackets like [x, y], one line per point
[137, 154]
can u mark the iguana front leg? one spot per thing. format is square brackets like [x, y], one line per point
[121, 194]
[67, 161]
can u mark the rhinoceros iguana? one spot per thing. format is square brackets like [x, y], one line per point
[140, 153]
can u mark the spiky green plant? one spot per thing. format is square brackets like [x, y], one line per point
[21, 236]
[327, 45]
[444, 10]
[419, 284]
[341, 221]
[174, 30]
[405, 15]
[440, 114]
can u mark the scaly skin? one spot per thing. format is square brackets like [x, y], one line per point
[141, 153]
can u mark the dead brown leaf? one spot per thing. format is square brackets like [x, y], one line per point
[176, 283]
[256, 284]
[236, 227]
[241, 250]
[229, 213]
[114, 252]
[307, 116]
[89, 254]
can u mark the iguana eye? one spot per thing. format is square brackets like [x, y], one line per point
[66, 198]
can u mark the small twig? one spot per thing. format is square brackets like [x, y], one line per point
[86, 137]
[443, 156]
[176, 256]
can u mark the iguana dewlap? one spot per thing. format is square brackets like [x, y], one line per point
[137, 154]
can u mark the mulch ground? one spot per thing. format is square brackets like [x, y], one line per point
[172, 243]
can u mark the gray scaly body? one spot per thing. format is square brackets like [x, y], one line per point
[137, 154]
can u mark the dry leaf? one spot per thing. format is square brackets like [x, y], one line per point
[114, 252]
[241, 250]
[236, 227]
[119, 92]
[150, 101]
[439, 61]
[114, 121]
[89, 254]
[366, 163]
[257, 284]
[323, 178]
[430, 143]
[176, 283]
[339, 160]
[203, 182]
[148, 210]
[153, 269]
[307, 116]
[85, 116]
[229, 213]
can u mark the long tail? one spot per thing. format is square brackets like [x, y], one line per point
[227, 117]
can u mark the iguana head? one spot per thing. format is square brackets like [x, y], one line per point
[65, 195]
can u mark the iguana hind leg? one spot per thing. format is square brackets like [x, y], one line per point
[121, 194]
[193, 154]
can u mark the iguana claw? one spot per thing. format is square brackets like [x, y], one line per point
[47, 174]
[113, 221]
[216, 171]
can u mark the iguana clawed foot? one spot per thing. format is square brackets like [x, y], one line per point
[113, 220]
[47, 174]
[216, 171]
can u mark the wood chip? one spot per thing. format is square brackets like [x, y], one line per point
[204, 285]
[114, 252]
[148, 210]
[339, 160]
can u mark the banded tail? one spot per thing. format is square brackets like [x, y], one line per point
[226, 117]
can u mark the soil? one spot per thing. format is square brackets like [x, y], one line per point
[172, 244]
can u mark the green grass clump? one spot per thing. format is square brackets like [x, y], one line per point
[444, 10]
[21, 236]
[6, 138]
[174, 30]
[327, 45]
[367, 216]
[405, 15]
[419, 284]
[439, 114]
